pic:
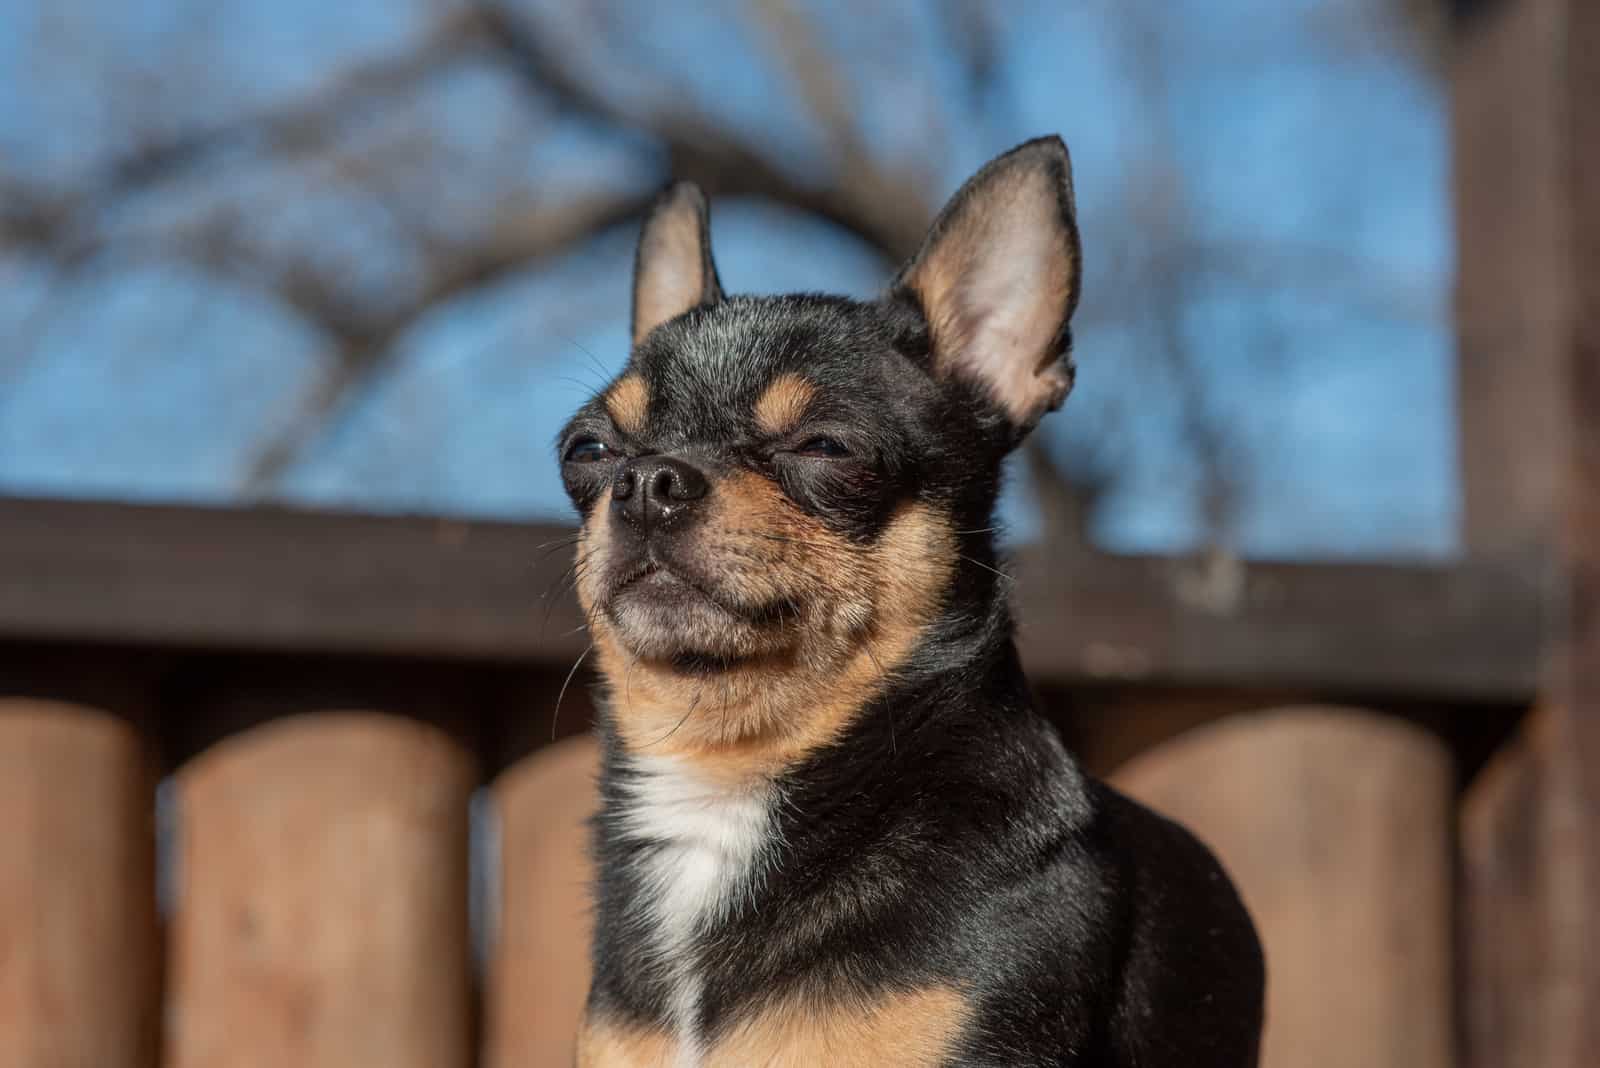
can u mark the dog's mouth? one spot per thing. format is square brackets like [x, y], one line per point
[663, 582]
[668, 613]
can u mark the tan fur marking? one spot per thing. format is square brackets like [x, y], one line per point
[628, 401]
[602, 1044]
[907, 1029]
[861, 612]
[782, 404]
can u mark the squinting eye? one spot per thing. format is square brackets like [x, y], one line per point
[827, 448]
[587, 451]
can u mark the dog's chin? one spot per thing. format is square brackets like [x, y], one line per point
[667, 619]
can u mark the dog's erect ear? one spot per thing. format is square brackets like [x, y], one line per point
[997, 279]
[673, 271]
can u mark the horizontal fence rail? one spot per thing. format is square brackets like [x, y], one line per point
[275, 579]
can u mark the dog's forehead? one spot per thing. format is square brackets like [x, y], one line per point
[712, 371]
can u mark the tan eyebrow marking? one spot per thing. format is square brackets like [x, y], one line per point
[628, 401]
[783, 403]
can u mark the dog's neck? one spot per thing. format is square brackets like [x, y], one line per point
[961, 680]
[687, 841]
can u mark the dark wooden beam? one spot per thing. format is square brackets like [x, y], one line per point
[1514, 291]
[1466, 631]
[283, 580]
[1578, 689]
[306, 581]
[1530, 871]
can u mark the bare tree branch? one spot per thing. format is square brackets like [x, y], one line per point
[299, 127]
[362, 353]
[900, 202]
[885, 205]
[886, 214]
[1163, 209]
[67, 229]
[972, 22]
[63, 223]
[1065, 503]
[1266, 267]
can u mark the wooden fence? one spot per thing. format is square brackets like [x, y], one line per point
[319, 884]
[316, 896]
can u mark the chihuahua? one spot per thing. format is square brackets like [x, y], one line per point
[833, 830]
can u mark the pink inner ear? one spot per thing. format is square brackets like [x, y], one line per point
[997, 286]
[671, 277]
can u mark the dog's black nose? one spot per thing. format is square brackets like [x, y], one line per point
[654, 491]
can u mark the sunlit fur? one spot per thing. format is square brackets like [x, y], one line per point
[783, 404]
[851, 615]
[833, 830]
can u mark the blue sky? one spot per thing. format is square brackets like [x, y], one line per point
[1311, 176]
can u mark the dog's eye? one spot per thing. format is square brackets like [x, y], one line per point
[827, 448]
[587, 451]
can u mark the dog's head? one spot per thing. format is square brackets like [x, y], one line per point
[777, 493]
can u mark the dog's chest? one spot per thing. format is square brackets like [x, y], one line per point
[705, 846]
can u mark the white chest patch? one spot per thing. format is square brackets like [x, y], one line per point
[709, 845]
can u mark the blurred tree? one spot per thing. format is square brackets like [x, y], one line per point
[346, 177]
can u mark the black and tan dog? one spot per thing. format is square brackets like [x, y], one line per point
[833, 830]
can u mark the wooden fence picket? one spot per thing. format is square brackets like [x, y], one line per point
[1337, 827]
[322, 916]
[79, 942]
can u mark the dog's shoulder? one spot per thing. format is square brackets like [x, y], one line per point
[1193, 961]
